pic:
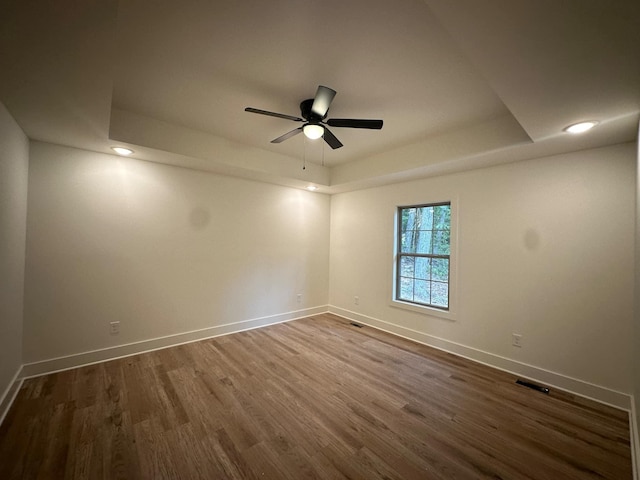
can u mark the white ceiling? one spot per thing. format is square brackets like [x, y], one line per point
[459, 85]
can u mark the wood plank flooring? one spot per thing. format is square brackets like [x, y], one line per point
[310, 399]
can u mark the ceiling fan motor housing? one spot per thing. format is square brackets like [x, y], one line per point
[307, 114]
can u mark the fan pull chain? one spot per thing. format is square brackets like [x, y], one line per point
[304, 152]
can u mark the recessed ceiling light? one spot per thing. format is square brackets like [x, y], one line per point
[122, 151]
[581, 127]
[312, 188]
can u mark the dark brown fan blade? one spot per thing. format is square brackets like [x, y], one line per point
[331, 139]
[355, 123]
[273, 114]
[287, 135]
[322, 101]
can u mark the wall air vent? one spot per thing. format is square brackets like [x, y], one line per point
[539, 388]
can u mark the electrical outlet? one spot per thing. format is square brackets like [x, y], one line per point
[114, 328]
[516, 340]
[299, 298]
[356, 300]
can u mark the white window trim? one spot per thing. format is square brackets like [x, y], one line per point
[450, 314]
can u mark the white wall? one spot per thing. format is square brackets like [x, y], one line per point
[545, 249]
[163, 250]
[14, 167]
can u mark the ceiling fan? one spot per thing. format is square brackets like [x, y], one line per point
[313, 112]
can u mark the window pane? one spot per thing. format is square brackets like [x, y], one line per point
[423, 241]
[442, 217]
[423, 268]
[426, 218]
[406, 289]
[439, 294]
[408, 219]
[440, 269]
[408, 241]
[407, 266]
[441, 240]
[422, 292]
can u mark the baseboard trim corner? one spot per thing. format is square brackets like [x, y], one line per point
[635, 439]
[556, 380]
[10, 394]
[67, 362]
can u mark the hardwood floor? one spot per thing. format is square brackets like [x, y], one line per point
[309, 399]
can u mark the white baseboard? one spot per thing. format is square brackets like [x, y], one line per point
[95, 356]
[551, 379]
[10, 394]
[635, 439]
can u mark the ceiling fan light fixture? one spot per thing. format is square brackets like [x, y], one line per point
[581, 127]
[313, 131]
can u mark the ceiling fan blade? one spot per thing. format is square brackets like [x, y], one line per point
[322, 101]
[273, 114]
[331, 139]
[355, 123]
[287, 135]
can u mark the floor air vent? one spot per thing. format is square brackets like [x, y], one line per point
[356, 325]
[533, 386]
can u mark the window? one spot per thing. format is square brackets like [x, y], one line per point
[423, 255]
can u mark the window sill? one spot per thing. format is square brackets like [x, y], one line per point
[432, 312]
